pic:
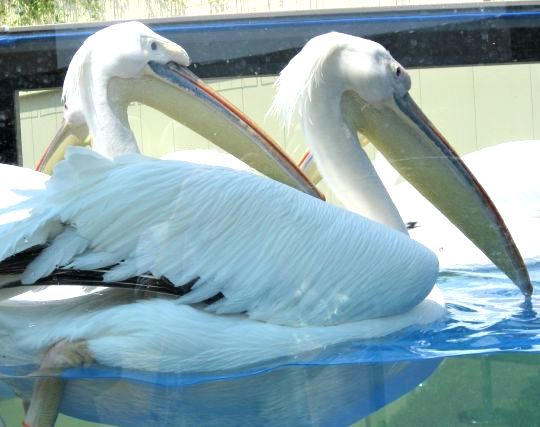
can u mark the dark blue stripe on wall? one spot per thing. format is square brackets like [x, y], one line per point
[277, 23]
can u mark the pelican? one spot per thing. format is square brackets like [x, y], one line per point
[265, 270]
[336, 98]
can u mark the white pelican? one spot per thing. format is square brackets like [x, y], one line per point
[173, 89]
[336, 97]
[271, 271]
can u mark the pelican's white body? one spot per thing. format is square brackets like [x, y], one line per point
[295, 273]
[160, 335]
[273, 252]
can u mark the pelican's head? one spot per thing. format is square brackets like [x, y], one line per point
[370, 90]
[368, 69]
[121, 50]
[341, 63]
[129, 62]
[125, 50]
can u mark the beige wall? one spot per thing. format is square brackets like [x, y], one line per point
[137, 9]
[473, 106]
[142, 9]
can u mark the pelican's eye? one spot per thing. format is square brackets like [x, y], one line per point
[398, 71]
[153, 46]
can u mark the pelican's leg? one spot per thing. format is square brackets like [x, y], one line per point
[47, 393]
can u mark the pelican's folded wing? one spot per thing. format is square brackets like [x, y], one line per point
[256, 246]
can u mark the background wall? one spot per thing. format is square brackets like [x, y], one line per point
[29, 12]
[474, 107]
[121, 9]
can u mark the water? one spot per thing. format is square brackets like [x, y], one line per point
[479, 365]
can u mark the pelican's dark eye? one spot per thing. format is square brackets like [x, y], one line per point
[398, 71]
[153, 46]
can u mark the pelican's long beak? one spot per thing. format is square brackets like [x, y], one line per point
[178, 93]
[309, 168]
[418, 151]
[66, 136]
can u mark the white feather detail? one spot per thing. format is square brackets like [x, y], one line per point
[305, 72]
[60, 252]
[273, 252]
[93, 260]
[187, 339]
[22, 228]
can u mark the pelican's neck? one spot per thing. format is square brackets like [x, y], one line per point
[106, 117]
[342, 161]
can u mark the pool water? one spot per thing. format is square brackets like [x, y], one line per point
[487, 390]
[479, 365]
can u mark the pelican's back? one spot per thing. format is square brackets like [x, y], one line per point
[250, 244]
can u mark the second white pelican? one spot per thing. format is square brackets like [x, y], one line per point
[342, 84]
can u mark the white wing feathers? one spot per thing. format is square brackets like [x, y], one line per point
[273, 252]
[60, 252]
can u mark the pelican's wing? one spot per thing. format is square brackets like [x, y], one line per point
[252, 245]
[17, 185]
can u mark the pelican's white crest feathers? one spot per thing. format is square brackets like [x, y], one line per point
[301, 75]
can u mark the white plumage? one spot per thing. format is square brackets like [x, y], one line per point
[342, 85]
[313, 85]
[162, 335]
[274, 253]
[279, 258]
[294, 261]
[291, 273]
